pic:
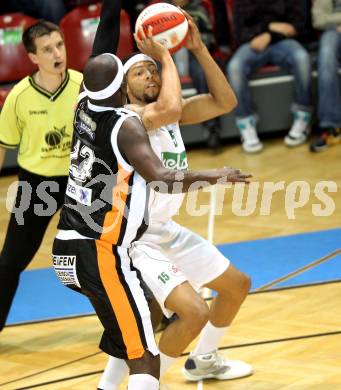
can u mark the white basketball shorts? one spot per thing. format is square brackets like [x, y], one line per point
[168, 254]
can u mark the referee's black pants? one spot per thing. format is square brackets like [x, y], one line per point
[23, 240]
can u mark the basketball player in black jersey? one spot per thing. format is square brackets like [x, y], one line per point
[165, 244]
[104, 211]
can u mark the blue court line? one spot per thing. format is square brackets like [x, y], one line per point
[41, 296]
[268, 259]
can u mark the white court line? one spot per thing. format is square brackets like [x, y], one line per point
[9, 201]
[206, 293]
[210, 234]
[10, 196]
[211, 216]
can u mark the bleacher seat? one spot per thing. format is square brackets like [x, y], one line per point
[3, 94]
[210, 10]
[79, 27]
[229, 12]
[206, 3]
[154, 2]
[18, 65]
[76, 3]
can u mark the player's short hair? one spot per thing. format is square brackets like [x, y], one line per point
[37, 30]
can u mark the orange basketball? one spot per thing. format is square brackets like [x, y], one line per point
[170, 26]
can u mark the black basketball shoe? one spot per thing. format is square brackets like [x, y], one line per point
[328, 137]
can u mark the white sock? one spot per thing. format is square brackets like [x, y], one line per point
[113, 375]
[209, 339]
[165, 363]
[142, 382]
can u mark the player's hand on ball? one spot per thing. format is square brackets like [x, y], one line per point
[233, 175]
[193, 41]
[147, 45]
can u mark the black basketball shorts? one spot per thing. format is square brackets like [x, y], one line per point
[104, 274]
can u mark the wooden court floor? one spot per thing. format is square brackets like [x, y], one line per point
[292, 337]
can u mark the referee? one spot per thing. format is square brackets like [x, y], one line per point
[37, 117]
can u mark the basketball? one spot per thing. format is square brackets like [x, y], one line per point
[170, 25]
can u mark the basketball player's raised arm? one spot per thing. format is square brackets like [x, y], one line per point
[168, 106]
[134, 144]
[220, 99]
[108, 31]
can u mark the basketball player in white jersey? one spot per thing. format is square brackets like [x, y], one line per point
[175, 262]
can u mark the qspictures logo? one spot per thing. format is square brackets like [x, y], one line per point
[318, 199]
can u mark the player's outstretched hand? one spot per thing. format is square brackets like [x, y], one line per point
[193, 41]
[232, 175]
[147, 45]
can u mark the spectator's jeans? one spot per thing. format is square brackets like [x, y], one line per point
[329, 106]
[51, 10]
[288, 54]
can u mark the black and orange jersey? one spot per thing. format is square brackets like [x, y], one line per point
[105, 198]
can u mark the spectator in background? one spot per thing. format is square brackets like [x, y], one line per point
[133, 8]
[327, 17]
[221, 30]
[38, 117]
[268, 32]
[202, 20]
[51, 10]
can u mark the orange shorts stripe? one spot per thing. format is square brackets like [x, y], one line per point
[113, 219]
[119, 300]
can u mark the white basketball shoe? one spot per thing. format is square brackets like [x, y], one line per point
[212, 365]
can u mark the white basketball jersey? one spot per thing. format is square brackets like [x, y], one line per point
[168, 145]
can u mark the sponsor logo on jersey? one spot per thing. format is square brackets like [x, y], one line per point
[85, 124]
[55, 142]
[171, 131]
[78, 193]
[65, 268]
[174, 270]
[36, 112]
[173, 160]
[64, 261]
[55, 137]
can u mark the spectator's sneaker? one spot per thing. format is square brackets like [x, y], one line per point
[300, 129]
[212, 132]
[212, 365]
[249, 137]
[331, 136]
[214, 141]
